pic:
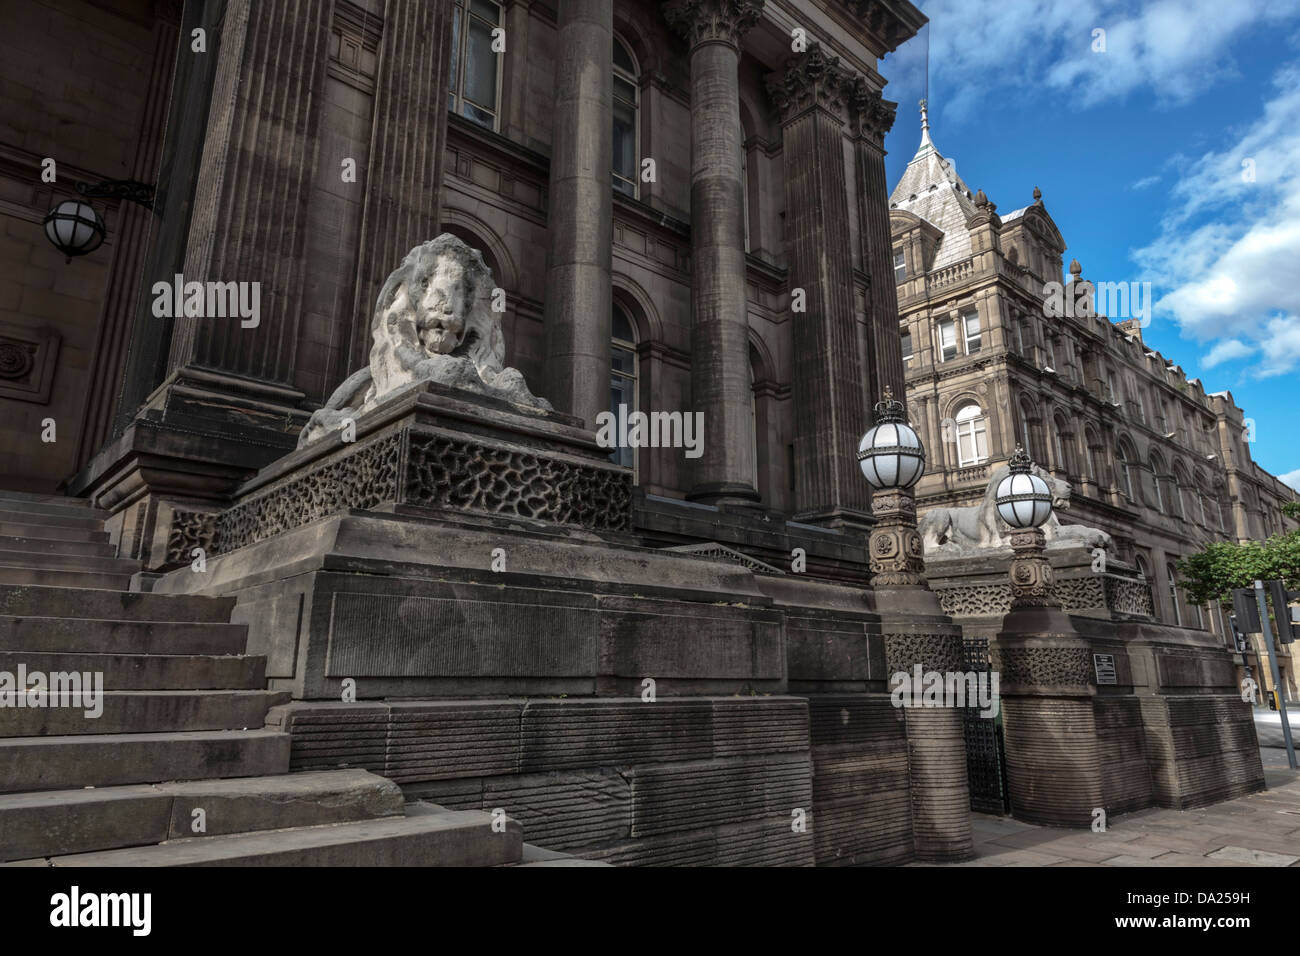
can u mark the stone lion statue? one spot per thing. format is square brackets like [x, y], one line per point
[978, 527]
[433, 322]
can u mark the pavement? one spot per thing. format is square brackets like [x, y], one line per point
[1260, 829]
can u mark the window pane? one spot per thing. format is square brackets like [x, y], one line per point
[622, 360]
[620, 326]
[486, 9]
[624, 140]
[481, 66]
[948, 339]
[624, 186]
[622, 58]
[981, 441]
[455, 47]
[482, 117]
[623, 90]
[907, 345]
[900, 267]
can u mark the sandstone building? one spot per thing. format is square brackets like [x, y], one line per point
[1153, 459]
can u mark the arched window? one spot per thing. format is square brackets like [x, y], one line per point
[972, 435]
[1199, 491]
[1157, 475]
[1173, 593]
[1144, 569]
[475, 78]
[626, 93]
[1061, 443]
[1028, 432]
[622, 378]
[1124, 471]
[1177, 496]
[1094, 455]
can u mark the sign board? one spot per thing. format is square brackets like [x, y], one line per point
[1104, 665]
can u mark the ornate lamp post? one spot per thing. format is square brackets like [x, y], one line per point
[1024, 501]
[892, 459]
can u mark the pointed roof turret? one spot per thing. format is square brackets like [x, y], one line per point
[930, 188]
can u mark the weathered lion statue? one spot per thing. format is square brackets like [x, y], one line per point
[978, 527]
[433, 322]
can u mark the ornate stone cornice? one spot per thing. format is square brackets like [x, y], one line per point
[872, 115]
[712, 21]
[882, 20]
[812, 79]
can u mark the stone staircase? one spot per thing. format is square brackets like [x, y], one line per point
[181, 740]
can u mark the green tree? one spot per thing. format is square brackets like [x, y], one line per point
[1215, 571]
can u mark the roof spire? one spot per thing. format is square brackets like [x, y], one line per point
[925, 128]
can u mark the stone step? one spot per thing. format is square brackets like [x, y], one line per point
[81, 522]
[26, 529]
[55, 578]
[94, 549]
[144, 711]
[112, 605]
[59, 822]
[149, 671]
[106, 760]
[452, 838]
[66, 562]
[93, 636]
[31, 498]
[57, 509]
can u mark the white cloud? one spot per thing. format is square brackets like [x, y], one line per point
[1170, 50]
[1291, 479]
[1230, 240]
[1145, 182]
[1225, 352]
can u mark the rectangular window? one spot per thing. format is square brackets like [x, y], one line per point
[970, 322]
[474, 64]
[907, 345]
[947, 340]
[900, 266]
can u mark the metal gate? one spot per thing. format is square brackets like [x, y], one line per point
[985, 761]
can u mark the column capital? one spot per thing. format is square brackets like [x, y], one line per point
[811, 79]
[713, 21]
[872, 115]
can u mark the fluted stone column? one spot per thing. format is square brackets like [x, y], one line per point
[829, 404]
[250, 207]
[720, 319]
[1053, 764]
[580, 211]
[872, 117]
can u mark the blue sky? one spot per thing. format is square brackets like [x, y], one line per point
[1139, 152]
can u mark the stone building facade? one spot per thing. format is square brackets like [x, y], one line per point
[1153, 459]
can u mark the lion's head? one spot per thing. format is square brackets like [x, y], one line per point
[437, 302]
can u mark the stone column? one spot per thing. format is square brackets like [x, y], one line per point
[829, 404]
[1045, 666]
[873, 117]
[250, 207]
[580, 227]
[720, 319]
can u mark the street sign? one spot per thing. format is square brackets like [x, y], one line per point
[1104, 666]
